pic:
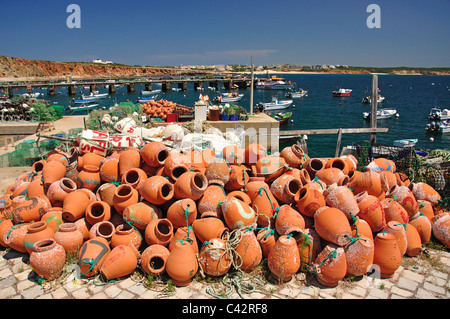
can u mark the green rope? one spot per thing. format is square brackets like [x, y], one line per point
[274, 209]
[332, 253]
[305, 238]
[186, 213]
[91, 263]
[317, 180]
[418, 215]
[129, 223]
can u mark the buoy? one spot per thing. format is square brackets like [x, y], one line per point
[292, 121]
[431, 139]
[293, 105]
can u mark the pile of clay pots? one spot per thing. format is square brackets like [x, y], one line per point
[182, 213]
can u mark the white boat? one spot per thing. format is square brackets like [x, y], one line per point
[407, 142]
[81, 108]
[146, 98]
[275, 104]
[297, 94]
[342, 92]
[229, 97]
[147, 93]
[368, 99]
[436, 114]
[382, 114]
[274, 83]
[94, 95]
[85, 100]
[445, 127]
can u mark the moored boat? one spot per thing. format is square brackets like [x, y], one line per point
[81, 108]
[274, 83]
[282, 117]
[382, 114]
[368, 99]
[342, 92]
[407, 142]
[144, 99]
[296, 94]
[148, 93]
[229, 97]
[436, 114]
[275, 104]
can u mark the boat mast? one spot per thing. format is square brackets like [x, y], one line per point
[373, 122]
[251, 88]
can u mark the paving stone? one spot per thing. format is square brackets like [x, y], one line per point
[434, 288]
[32, 292]
[358, 291]
[401, 292]
[100, 295]
[7, 292]
[377, 294]
[137, 289]
[424, 294]
[60, 293]
[82, 293]
[125, 295]
[112, 291]
[408, 274]
[407, 284]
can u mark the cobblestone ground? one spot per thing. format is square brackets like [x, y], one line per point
[422, 277]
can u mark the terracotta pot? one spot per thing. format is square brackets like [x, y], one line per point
[134, 177]
[175, 165]
[187, 235]
[371, 210]
[414, 243]
[53, 218]
[404, 196]
[159, 231]
[17, 201]
[70, 238]
[20, 190]
[309, 200]
[157, 190]
[213, 258]
[394, 211]
[313, 165]
[109, 170]
[196, 160]
[265, 205]
[294, 156]
[124, 196]
[309, 247]
[14, 238]
[105, 193]
[331, 265]
[248, 252]
[190, 185]
[398, 230]
[423, 191]
[371, 182]
[361, 228]
[254, 185]
[342, 198]
[75, 204]
[253, 153]
[36, 188]
[92, 255]
[38, 166]
[89, 178]
[89, 159]
[58, 190]
[266, 239]
[154, 154]
[213, 195]
[241, 195]
[359, 256]
[236, 213]
[207, 228]
[284, 259]
[181, 265]
[104, 229]
[218, 172]
[52, 172]
[423, 226]
[331, 224]
[130, 158]
[285, 187]
[390, 178]
[233, 154]
[387, 255]
[31, 210]
[238, 178]
[97, 212]
[48, 259]
[5, 227]
[126, 235]
[339, 163]
[426, 208]
[183, 212]
[6, 207]
[140, 214]
[58, 157]
[441, 228]
[270, 167]
[289, 221]
[332, 176]
[154, 259]
[35, 232]
[120, 262]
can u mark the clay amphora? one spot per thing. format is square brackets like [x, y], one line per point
[154, 154]
[89, 178]
[75, 204]
[270, 167]
[331, 176]
[120, 262]
[104, 229]
[207, 228]
[266, 206]
[97, 211]
[254, 185]
[309, 247]
[190, 185]
[181, 265]
[213, 195]
[426, 208]
[59, 157]
[48, 259]
[359, 255]
[5, 227]
[414, 243]
[213, 258]
[342, 198]
[240, 195]
[371, 210]
[387, 255]
[134, 177]
[309, 200]
[371, 182]
[159, 231]
[140, 214]
[70, 238]
[52, 172]
[423, 191]
[294, 156]
[441, 228]
[233, 154]
[361, 228]
[248, 251]
[105, 193]
[183, 212]
[284, 259]
[289, 221]
[36, 188]
[423, 226]
[253, 153]
[331, 265]
[92, 255]
[404, 196]
[398, 230]
[175, 165]
[266, 239]
[53, 218]
[157, 190]
[124, 196]
[187, 235]
[154, 258]
[381, 164]
[38, 166]
[285, 187]
[393, 211]
[6, 207]
[35, 232]
[89, 159]
[331, 224]
[128, 159]
[218, 172]
[238, 178]
[109, 170]
[83, 227]
[236, 213]
[313, 165]
[58, 190]
[126, 235]
[14, 238]
[338, 162]
[390, 178]
[31, 210]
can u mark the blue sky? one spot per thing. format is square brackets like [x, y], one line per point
[175, 32]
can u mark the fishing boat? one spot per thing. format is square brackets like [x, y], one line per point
[382, 114]
[436, 114]
[148, 93]
[81, 108]
[275, 104]
[94, 96]
[144, 99]
[438, 127]
[274, 83]
[86, 100]
[228, 97]
[342, 92]
[368, 99]
[282, 117]
[296, 94]
[407, 142]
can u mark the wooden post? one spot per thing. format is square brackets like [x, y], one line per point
[374, 98]
[251, 90]
[338, 145]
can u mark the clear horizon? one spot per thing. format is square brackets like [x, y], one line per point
[155, 33]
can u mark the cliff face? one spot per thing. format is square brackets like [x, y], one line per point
[14, 68]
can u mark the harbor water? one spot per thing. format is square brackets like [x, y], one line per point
[411, 95]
